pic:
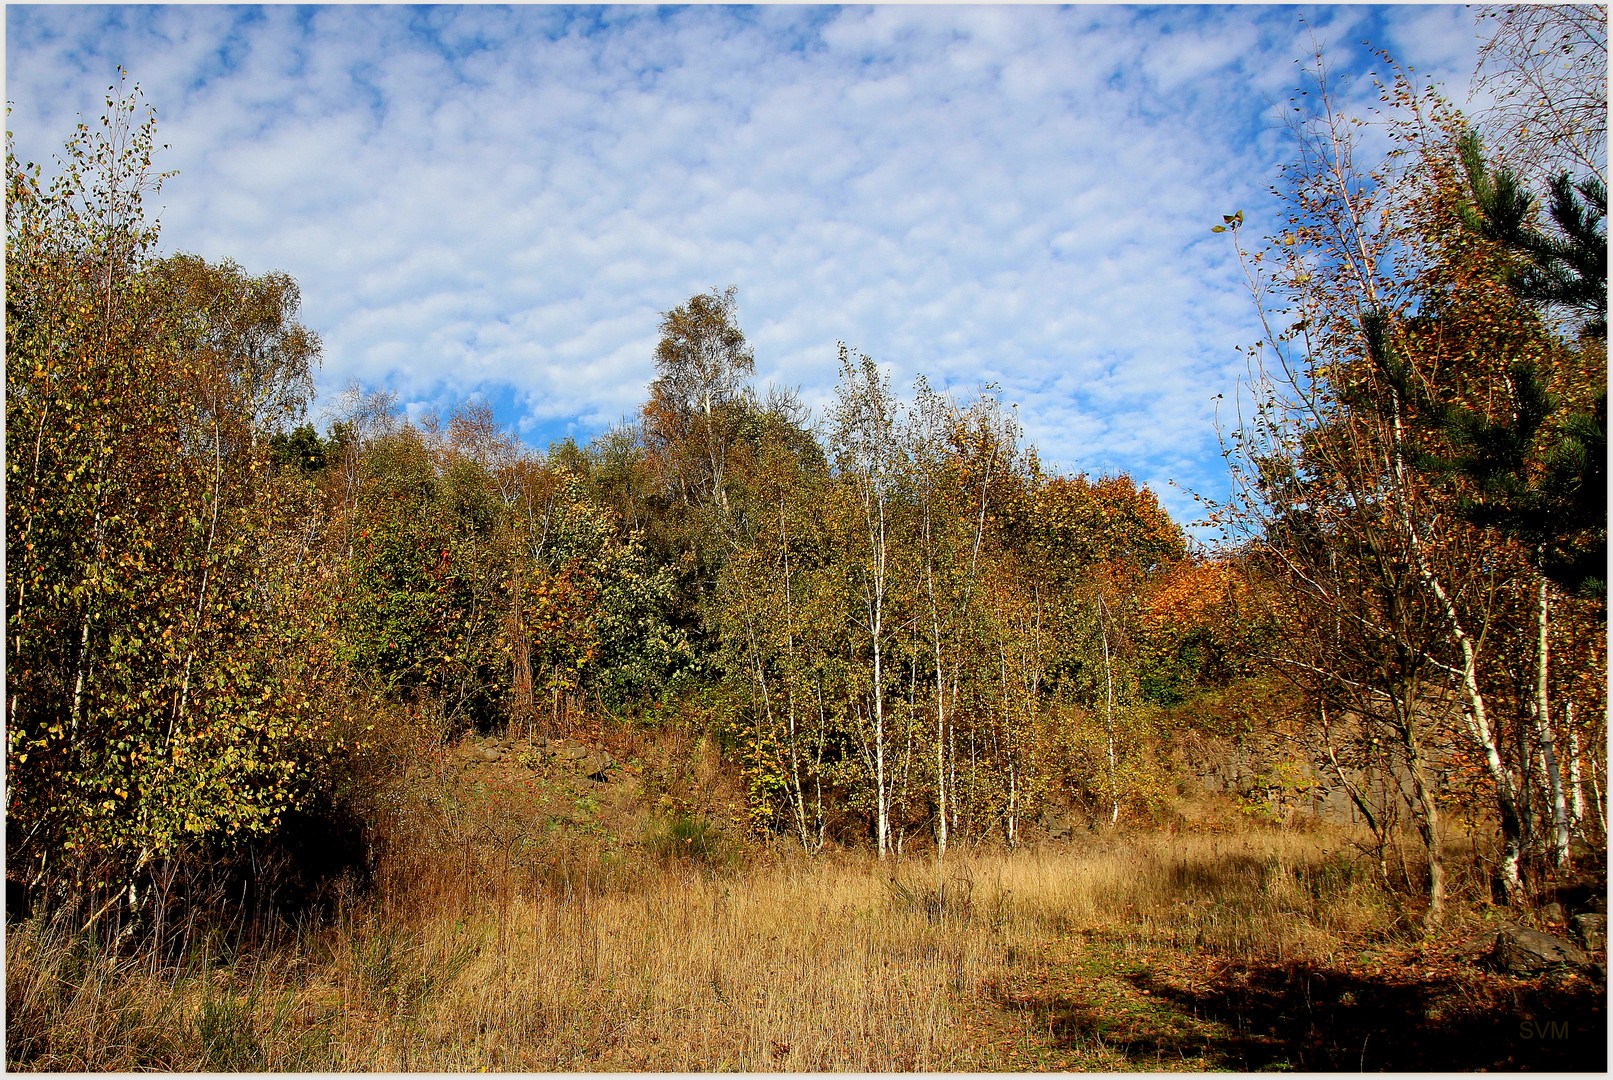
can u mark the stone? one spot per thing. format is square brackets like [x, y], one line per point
[1475, 948]
[1553, 913]
[1591, 930]
[1521, 951]
[489, 754]
[594, 765]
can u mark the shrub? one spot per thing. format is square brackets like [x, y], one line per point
[688, 836]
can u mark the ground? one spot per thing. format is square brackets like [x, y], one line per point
[538, 913]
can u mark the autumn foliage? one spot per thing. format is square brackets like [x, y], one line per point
[1421, 478]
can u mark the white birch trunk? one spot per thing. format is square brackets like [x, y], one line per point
[1547, 738]
[1576, 783]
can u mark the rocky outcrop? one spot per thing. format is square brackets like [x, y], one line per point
[1591, 929]
[1271, 771]
[1284, 767]
[595, 763]
[1521, 951]
[592, 762]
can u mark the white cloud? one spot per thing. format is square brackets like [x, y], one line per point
[504, 199]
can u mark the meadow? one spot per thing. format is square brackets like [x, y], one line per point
[1209, 949]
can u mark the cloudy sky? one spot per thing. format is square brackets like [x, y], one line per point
[500, 201]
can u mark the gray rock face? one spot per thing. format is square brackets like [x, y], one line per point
[1591, 929]
[1521, 951]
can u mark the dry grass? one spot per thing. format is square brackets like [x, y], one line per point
[794, 968]
[1267, 895]
[616, 962]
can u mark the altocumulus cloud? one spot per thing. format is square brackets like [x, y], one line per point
[500, 201]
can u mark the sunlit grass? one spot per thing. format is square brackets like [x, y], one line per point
[654, 962]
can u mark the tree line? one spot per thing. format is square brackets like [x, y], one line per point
[897, 621]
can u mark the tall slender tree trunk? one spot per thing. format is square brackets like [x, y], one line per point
[952, 754]
[798, 791]
[82, 664]
[1512, 822]
[1547, 737]
[82, 672]
[882, 826]
[1576, 783]
[874, 509]
[1428, 818]
[1478, 725]
[1510, 869]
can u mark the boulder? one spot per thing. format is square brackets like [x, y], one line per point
[1591, 929]
[593, 765]
[1476, 948]
[1521, 951]
[490, 754]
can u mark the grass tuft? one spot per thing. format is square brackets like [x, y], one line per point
[692, 837]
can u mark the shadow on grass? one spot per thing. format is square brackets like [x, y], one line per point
[1305, 1017]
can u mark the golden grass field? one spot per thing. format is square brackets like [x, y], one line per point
[1153, 951]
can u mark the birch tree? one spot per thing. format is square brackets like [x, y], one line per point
[158, 683]
[868, 460]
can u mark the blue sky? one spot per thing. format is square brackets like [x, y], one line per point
[501, 201]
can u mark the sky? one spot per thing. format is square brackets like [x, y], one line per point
[497, 203]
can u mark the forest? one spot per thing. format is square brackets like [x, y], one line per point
[249, 642]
